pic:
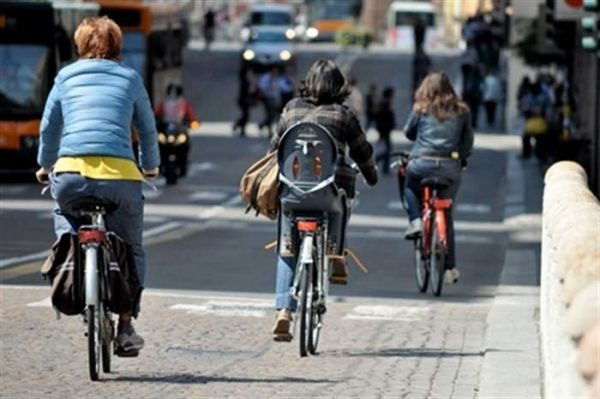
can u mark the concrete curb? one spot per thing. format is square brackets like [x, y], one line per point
[511, 366]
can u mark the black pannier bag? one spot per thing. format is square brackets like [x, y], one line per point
[124, 289]
[63, 269]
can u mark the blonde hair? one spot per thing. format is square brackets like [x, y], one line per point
[99, 37]
[437, 97]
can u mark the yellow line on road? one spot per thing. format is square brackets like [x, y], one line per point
[20, 270]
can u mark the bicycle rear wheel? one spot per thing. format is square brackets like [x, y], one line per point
[93, 336]
[437, 262]
[305, 308]
[421, 267]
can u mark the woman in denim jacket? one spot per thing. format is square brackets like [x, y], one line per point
[440, 126]
[85, 139]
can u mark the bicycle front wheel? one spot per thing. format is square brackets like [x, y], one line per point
[421, 267]
[437, 261]
[107, 340]
[93, 336]
[315, 316]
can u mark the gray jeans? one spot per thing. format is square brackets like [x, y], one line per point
[126, 220]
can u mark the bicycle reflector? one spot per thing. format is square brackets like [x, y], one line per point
[91, 236]
[296, 168]
[307, 225]
[440, 203]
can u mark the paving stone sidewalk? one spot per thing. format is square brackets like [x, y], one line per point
[435, 351]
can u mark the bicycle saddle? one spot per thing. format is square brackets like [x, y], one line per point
[92, 204]
[436, 182]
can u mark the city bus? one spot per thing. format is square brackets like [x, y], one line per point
[36, 40]
[326, 17]
[153, 41]
[401, 19]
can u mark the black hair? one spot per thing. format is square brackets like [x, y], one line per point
[325, 83]
[388, 92]
[176, 87]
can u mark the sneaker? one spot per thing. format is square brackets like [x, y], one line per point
[339, 270]
[128, 343]
[451, 276]
[281, 329]
[414, 229]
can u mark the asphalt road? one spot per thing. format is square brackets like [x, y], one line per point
[200, 240]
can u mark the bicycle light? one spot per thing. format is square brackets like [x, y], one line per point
[91, 236]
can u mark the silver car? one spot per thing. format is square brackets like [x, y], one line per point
[268, 46]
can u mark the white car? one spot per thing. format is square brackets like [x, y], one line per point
[268, 46]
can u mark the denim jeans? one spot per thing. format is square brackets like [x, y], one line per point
[126, 220]
[417, 170]
[286, 268]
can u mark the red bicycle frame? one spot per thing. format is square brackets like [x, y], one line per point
[434, 206]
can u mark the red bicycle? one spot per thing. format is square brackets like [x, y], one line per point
[430, 247]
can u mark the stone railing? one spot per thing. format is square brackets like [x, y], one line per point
[570, 285]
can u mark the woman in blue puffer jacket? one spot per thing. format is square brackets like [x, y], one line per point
[85, 144]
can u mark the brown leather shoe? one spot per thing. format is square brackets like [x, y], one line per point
[281, 329]
[339, 270]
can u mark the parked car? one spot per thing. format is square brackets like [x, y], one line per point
[267, 47]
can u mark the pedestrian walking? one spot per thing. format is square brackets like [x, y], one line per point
[355, 100]
[270, 96]
[370, 106]
[492, 96]
[286, 87]
[246, 99]
[536, 105]
[421, 67]
[208, 28]
[385, 122]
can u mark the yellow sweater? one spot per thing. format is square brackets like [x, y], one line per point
[101, 168]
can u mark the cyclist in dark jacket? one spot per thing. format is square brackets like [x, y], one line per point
[440, 127]
[322, 94]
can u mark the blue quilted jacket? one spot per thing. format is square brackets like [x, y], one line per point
[90, 110]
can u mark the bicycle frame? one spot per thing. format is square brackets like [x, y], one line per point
[90, 238]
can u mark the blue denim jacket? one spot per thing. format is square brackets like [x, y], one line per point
[436, 138]
[90, 110]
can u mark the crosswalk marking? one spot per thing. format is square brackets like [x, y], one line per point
[227, 308]
[389, 313]
[44, 303]
[480, 209]
[208, 196]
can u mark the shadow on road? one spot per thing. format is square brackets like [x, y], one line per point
[414, 352]
[186, 378]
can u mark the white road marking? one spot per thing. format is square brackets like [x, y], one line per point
[44, 303]
[389, 313]
[12, 190]
[196, 168]
[480, 209]
[227, 308]
[23, 259]
[151, 194]
[208, 196]
[154, 219]
[163, 228]
[216, 210]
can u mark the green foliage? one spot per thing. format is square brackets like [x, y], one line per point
[353, 35]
